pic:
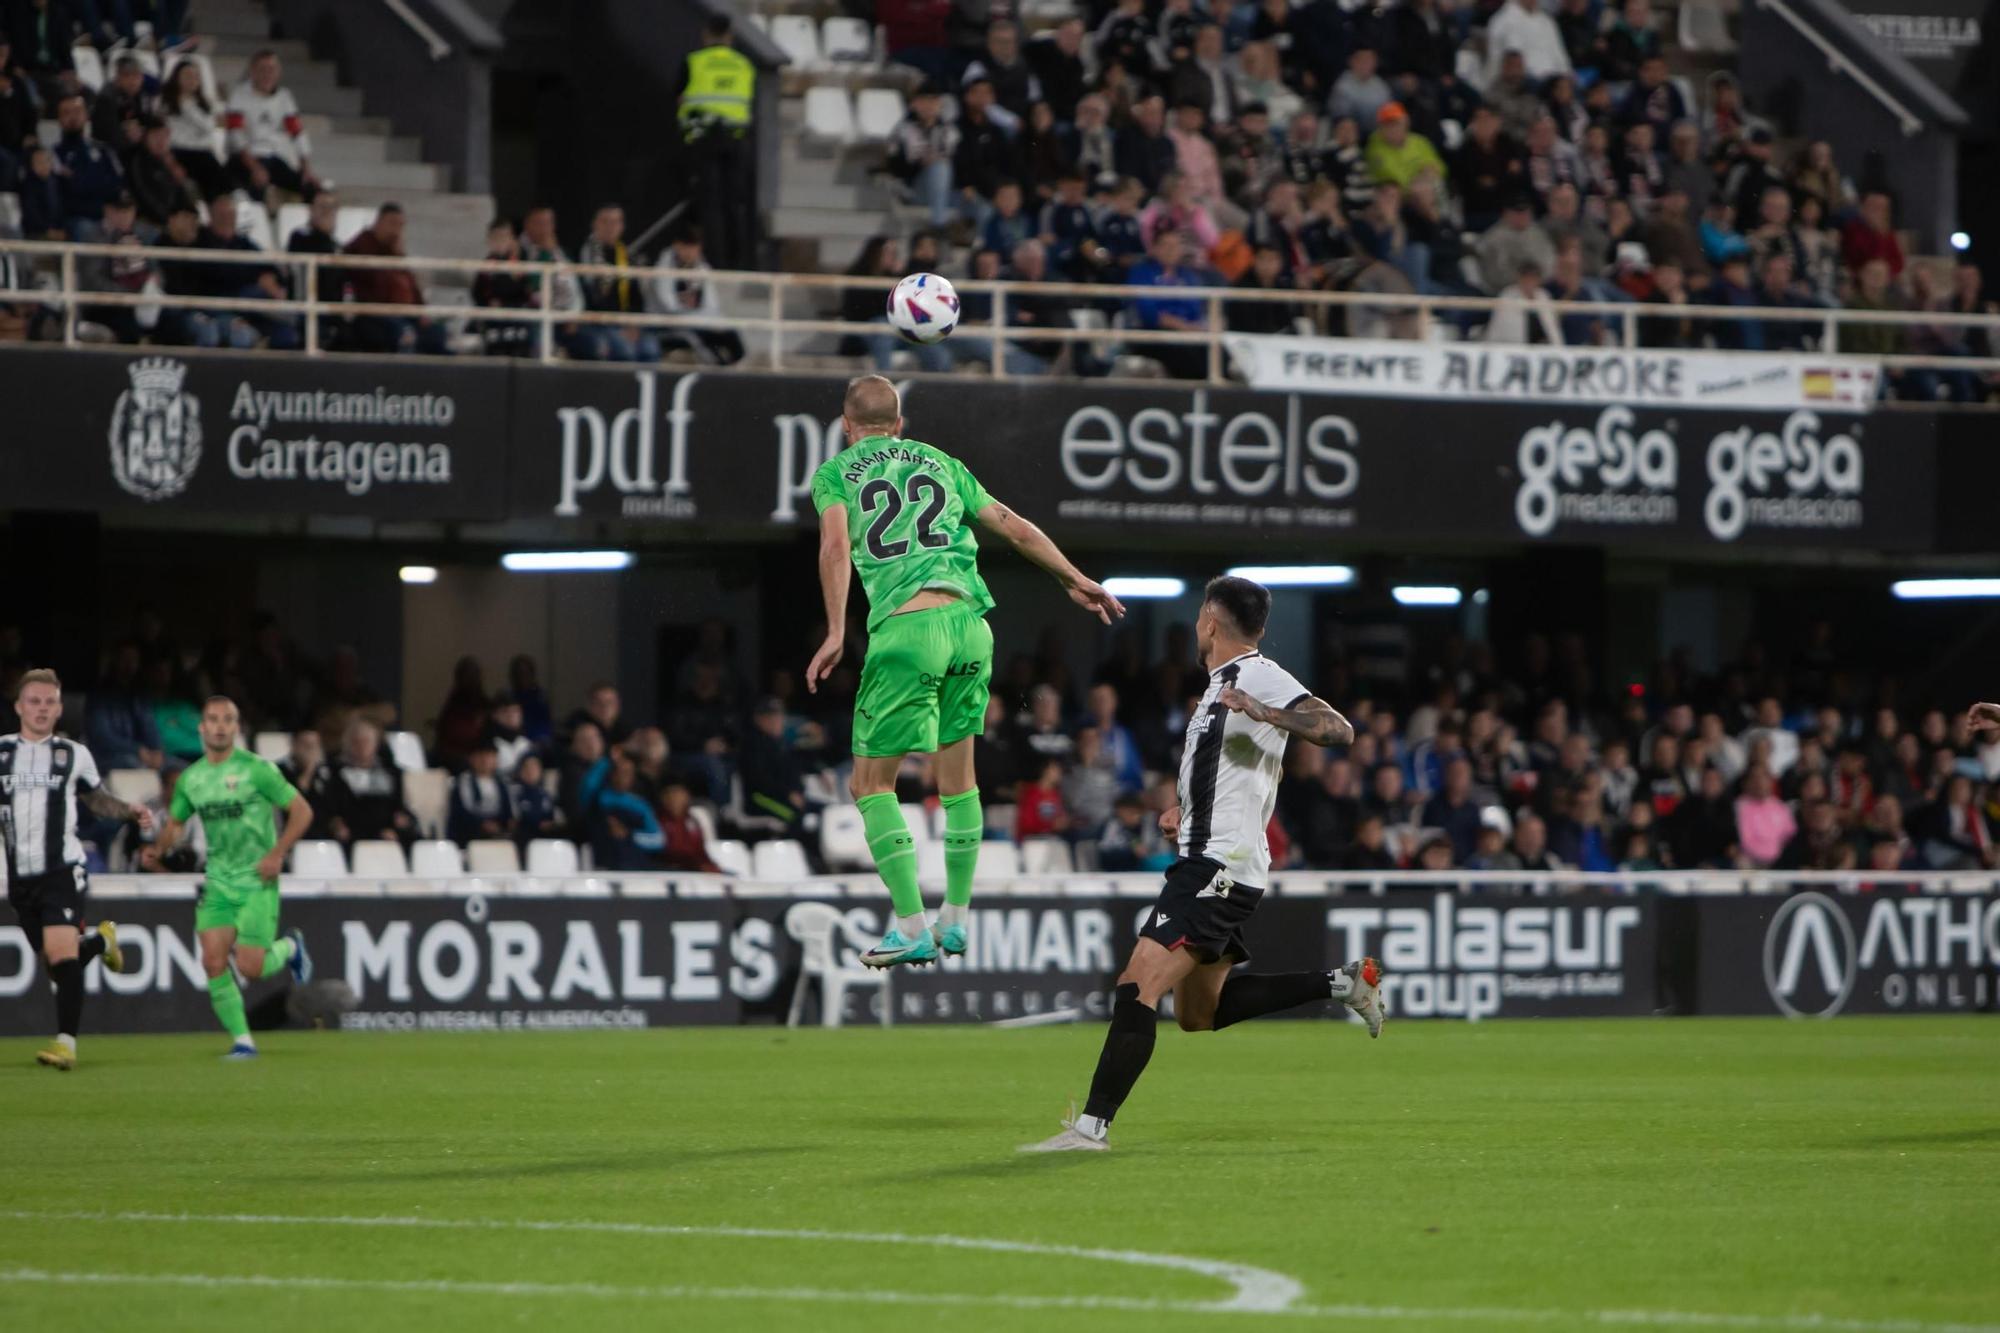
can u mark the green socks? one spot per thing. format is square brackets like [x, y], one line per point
[964, 829]
[228, 1003]
[276, 958]
[894, 852]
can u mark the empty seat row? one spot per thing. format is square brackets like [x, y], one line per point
[834, 43]
[383, 859]
[406, 748]
[867, 117]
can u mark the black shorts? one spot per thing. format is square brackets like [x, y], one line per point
[1202, 910]
[54, 898]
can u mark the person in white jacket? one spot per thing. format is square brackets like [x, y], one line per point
[1521, 26]
[267, 136]
[678, 290]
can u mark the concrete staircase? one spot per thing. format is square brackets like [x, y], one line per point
[363, 156]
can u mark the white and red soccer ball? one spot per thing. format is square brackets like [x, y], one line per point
[923, 308]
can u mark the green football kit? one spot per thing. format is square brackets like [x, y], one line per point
[925, 679]
[927, 674]
[237, 800]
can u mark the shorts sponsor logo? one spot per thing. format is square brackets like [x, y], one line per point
[155, 431]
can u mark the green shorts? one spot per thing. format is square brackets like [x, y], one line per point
[924, 682]
[253, 915]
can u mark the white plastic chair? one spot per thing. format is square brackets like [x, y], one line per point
[780, 860]
[730, 856]
[847, 41]
[829, 115]
[434, 858]
[134, 786]
[406, 750]
[704, 819]
[843, 839]
[493, 856]
[254, 222]
[919, 820]
[319, 859]
[798, 37]
[877, 113]
[427, 791]
[291, 218]
[378, 858]
[930, 864]
[552, 856]
[821, 930]
[1047, 856]
[587, 887]
[272, 745]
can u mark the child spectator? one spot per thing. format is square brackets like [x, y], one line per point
[481, 805]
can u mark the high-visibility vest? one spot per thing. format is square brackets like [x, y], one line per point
[720, 83]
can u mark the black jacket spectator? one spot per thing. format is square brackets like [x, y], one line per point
[322, 790]
[94, 177]
[1259, 316]
[1421, 42]
[1485, 174]
[370, 800]
[1146, 157]
[985, 155]
[481, 806]
[1061, 74]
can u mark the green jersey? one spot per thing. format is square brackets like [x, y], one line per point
[235, 799]
[909, 510]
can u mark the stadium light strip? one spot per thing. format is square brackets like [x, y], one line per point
[1417, 594]
[1924, 590]
[1130, 586]
[565, 562]
[1296, 576]
[418, 574]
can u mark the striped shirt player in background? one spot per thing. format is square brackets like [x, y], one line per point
[43, 778]
[1192, 939]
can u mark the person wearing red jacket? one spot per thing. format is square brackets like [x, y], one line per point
[1039, 810]
[1872, 236]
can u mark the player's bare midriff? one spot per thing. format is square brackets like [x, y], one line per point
[928, 599]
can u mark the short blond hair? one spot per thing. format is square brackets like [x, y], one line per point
[38, 676]
[872, 401]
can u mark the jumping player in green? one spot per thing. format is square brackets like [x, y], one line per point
[901, 511]
[235, 792]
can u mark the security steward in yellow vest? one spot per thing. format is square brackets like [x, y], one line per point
[717, 95]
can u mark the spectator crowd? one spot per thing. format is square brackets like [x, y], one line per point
[1518, 151]
[1463, 766]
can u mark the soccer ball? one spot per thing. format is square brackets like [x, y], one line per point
[923, 308]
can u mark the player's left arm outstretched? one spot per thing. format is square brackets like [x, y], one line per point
[1313, 719]
[1035, 547]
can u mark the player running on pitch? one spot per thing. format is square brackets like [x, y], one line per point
[1193, 935]
[43, 778]
[235, 793]
[901, 511]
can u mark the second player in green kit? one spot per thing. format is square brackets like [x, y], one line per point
[900, 512]
[236, 794]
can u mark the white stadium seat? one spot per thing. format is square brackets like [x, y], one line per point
[89, 67]
[930, 864]
[291, 217]
[704, 819]
[552, 856]
[493, 856]
[134, 786]
[427, 791]
[434, 858]
[1046, 856]
[732, 856]
[877, 112]
[406, 750]
[586, 887]
[318, 859]
[379, 858]
[798, 37]
[843, 840]
[254, 222]
[780, 860]
[829, 115]
[919, 820]
[997, 861]
[847, 41]
[272, 745]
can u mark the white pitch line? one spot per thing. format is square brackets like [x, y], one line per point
[815, 1295]
[1258, 1291]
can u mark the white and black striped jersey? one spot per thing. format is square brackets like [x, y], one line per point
[40, 782]
[1230, 769]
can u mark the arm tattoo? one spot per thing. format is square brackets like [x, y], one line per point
[103, 804]
[1314, 720]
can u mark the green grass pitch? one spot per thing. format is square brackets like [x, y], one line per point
[1728, 1174]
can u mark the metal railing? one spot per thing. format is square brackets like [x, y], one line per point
[1406, 316]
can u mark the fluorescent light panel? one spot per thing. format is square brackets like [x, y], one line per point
[1921, 590]
[418, 574]
[1296, 576]
[1417, 594]
[1144, 586]
[565, 562]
